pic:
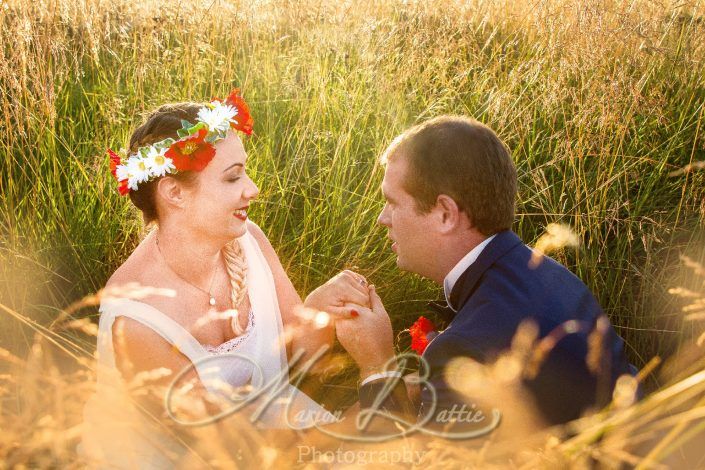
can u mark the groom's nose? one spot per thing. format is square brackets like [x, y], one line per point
[383, 218]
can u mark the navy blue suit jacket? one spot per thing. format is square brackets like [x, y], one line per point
[492, 297]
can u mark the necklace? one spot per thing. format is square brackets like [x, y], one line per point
[211, 299]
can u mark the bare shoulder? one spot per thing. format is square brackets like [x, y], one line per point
[257, 232]
[139, 348]
[122, 275]
[136, 268]
[131, 335]
[262, 240]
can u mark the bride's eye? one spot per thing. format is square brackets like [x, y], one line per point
[232, 180]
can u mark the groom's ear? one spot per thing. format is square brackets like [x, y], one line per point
[449, 213]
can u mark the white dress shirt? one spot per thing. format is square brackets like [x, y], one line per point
[462, 266]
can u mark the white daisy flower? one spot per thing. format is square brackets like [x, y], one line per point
[157, 163]
[218, 118]
[121, 172]
[137, 172]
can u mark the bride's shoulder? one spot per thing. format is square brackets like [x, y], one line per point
[137, 347]
[254, 229]
[258, 234]
[262, 240]
[137, 268]
[128, 273]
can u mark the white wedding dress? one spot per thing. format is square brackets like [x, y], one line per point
[116, 434]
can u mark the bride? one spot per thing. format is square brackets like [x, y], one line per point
[230, 316]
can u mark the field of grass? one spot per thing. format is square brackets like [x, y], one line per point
[601, 103]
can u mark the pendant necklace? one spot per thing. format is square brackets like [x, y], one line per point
[211, 299]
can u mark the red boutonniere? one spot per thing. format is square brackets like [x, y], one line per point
[243, 117]
[422, 332]
[192, 153]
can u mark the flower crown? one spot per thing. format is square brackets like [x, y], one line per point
[192, 152]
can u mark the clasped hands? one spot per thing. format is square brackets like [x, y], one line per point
[361, 322]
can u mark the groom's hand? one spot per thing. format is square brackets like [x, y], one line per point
[345, 288]
[368, 337]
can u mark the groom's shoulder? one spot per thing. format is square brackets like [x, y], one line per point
[522, 283]
[524, 266]
[455, 342]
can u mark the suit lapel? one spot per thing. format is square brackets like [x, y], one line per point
[442, 310]
[465, 286]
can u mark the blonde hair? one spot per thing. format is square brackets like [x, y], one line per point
[236, 265]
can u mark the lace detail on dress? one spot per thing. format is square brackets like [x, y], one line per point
[233, 343]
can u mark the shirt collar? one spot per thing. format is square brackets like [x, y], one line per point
[462, 266]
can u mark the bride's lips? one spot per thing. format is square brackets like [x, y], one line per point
[241, 213]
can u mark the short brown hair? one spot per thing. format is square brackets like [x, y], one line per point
[162, 123]
[464, 159]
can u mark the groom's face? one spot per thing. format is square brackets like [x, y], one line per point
[409, 230]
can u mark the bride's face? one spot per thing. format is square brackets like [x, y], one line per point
[218, 204]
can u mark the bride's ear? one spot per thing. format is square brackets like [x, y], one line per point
[449, 213]
[171, 191]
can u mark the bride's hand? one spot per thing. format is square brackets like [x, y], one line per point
[344, 288]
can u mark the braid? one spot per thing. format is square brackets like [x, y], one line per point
[237, 271]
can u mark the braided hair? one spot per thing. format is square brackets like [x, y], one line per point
[237, 272]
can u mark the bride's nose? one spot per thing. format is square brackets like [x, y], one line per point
[251, 190]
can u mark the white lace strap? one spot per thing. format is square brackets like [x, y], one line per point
[149, 316]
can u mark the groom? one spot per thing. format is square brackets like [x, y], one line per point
[450, 187]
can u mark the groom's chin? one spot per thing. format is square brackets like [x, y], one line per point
[401, 263]
[406, 267]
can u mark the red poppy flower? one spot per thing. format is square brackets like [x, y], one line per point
[191, 153]
[243, 118]
[420, 334]
[122, 188]
[114, 162]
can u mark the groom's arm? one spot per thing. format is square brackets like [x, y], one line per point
[369, 340]
[391, 393]
[385, 402]
[445, 394]
[444, 407]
